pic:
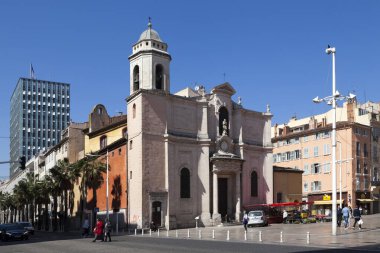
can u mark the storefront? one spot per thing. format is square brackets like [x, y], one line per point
[323, 203]
[365, 202]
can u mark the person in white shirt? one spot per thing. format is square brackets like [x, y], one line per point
[284, 216]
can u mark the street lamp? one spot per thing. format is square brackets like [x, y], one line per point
[340, 173]
[331, 100]
[107, 209]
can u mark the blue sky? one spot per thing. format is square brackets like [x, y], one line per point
[272, 52]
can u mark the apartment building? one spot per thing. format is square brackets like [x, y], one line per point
[306, 144]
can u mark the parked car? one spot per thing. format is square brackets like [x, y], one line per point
[2, 231]
[14, 232]
[27, 226]
[257, 218]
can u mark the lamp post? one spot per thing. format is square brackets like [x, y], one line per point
[331, 100]
[340, 173]
[107, 195]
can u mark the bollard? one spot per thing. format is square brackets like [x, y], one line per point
[150, 232]
[188, 233]
[158, 232]
[142, 232]
[281, 239]
[245, 235]
[228, 235]
[260, 237]
[213, 234]
[176, 233]
[167, 233]
[135, 231]
[200, 234]
[308, 238]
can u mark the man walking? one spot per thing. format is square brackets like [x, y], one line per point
[346, 216]
[107, 230]
[339, 216]
[245, 220]
[357, 217]
[86, 228]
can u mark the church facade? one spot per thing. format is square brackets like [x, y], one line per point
[192, 156]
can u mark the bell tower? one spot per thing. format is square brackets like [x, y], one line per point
[150, 63]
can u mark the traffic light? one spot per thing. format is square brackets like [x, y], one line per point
[22, 162]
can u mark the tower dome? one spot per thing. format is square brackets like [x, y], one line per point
[150, 34]
[149, 63]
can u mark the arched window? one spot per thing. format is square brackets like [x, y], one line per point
[185, 183]
[223, 115]
[103, 142]
[134, 110]
[124, 132]
[136, 78]
[254, 184]
[159, 77]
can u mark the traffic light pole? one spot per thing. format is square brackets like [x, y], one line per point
[8, 162]
[21, 161]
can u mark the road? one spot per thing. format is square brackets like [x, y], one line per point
[49, 242]
[214, 239]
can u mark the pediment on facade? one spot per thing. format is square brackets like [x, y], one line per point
[225, 88]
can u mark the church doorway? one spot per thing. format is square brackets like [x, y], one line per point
[222, 197]
[156, 213]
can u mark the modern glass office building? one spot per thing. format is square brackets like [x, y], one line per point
[40, 110]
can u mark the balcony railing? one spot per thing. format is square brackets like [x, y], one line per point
[375, 182]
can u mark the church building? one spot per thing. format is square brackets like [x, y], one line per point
[192, 156]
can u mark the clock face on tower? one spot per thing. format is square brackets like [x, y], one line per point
[224, 146]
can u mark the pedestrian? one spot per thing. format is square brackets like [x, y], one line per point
[107, 230]
[357, 216]
[284, 216]
[153, 226]
[339, 216]
[86, 228]
[245, 220]
[98, 230]
[346, 216]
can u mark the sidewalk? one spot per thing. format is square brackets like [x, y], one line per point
[292, 234]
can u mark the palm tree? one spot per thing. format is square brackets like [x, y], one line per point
[24, 196]
[20, 193]
[42, 190]
[65, 175]
[9, 206]
[2, 207]
[91, 171]
[55, 191]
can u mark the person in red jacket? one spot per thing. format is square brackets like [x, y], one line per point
[98, 230]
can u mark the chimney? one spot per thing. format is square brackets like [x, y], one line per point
[351, 106]
[312, 123]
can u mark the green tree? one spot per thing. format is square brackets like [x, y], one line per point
[65, 175]
[91, 171]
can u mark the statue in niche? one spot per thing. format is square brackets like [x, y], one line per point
[225, 127]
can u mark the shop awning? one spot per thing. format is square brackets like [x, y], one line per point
[366, 200]
[325, 202]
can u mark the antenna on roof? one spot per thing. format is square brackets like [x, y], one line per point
[31, 72]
